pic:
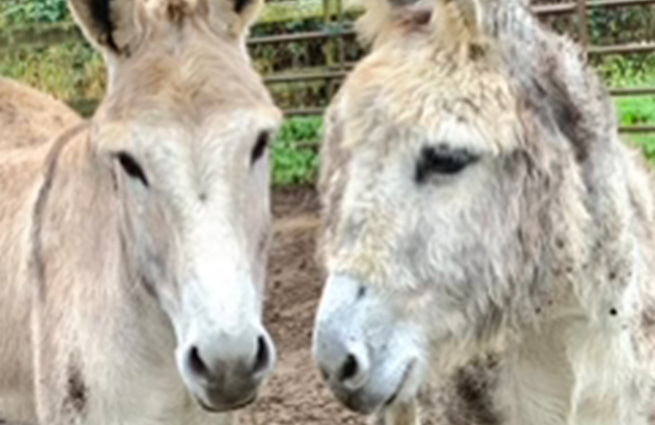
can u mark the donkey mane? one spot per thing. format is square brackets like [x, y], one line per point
[50, 166]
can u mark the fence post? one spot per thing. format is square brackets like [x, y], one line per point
[583, 26]
[333, 47]
[330, 46]
[342, 43]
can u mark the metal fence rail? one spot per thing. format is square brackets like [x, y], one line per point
[338, 30]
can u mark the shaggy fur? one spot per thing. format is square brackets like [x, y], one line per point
[97, 270]
[540, 254]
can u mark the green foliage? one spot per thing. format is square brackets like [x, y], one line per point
[295, 159]
[17, 12]
[636, 110]
[646, 143]
[626, 72]
[67, 71]
[639, 111]
[622, 25]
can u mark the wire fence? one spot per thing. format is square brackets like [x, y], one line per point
[287, 58]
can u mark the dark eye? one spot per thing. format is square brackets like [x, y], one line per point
[132, 167]
[260, 147]
[442, 160]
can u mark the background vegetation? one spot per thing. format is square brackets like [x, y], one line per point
[73, 71]
[622, 72]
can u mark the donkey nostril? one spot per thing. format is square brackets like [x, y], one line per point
[349, 369]
[196, 364]
[262, 358]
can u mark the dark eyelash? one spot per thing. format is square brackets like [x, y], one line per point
[442, 160]
[132, 167]
[260, 147]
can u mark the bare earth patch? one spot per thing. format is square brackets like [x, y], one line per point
[295, 394]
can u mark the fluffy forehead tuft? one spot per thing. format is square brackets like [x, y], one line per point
[200, 80]
[410, 90]
[172, 8]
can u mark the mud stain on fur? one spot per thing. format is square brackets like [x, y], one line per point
[76, 391]
[474, 385]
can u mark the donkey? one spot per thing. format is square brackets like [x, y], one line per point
[28, 117]
[485, 232]
[134, 246]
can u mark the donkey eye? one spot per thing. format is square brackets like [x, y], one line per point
[442, 160]
[260, 147]
[132, 167]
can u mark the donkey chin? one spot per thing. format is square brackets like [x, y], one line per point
[369, 360]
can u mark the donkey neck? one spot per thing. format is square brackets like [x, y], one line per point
[538, 375]
[565, 373]
[88, 299]
[76, 226]
[70, 195]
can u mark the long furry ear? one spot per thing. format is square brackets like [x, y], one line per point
[459, 22]
[247, 11]
[452, 20]
[383, 16]
[236, 16]
[110, 25]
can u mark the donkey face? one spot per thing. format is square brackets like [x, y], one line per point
[432, 216]
[184, 132]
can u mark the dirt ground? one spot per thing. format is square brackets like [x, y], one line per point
[295, 394]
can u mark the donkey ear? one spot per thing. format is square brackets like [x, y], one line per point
[382, 16]
[459, 20]
[247, 11]
[236, 15]
[110, 25]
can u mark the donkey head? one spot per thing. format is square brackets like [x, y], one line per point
[183, 132]
[452, 202]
